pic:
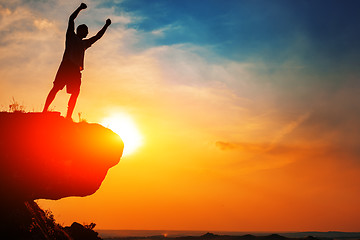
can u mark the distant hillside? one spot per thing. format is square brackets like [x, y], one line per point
[199, 235]
[330, 234]
[211, 236]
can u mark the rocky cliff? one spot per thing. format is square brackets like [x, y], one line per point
[47, 156]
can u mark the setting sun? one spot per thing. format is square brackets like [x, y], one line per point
[125, 127]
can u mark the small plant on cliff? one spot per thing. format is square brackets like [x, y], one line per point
[14, 106]
[81, 118]
[90, 226]
[50, 220]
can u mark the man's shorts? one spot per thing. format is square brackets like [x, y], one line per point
[68, 74]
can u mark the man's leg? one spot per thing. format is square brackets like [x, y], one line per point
[50, 98]
[71, 105]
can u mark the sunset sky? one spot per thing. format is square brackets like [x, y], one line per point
[248, 112]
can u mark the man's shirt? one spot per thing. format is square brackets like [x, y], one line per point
[75, 49]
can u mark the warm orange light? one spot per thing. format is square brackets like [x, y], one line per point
[125, 127]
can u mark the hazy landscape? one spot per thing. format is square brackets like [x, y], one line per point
[222, 235]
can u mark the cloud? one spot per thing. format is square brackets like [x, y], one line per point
[42, 24]
[241, 146]
[288, 129]
[27, 46]
[268, 144]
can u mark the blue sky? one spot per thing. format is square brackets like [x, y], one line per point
[243, 30]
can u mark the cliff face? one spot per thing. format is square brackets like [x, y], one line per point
[47, 156]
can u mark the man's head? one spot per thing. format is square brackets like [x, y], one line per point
[82, 31]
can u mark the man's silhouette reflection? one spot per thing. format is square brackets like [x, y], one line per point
[69, 72]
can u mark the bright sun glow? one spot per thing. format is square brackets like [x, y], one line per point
[125, 127]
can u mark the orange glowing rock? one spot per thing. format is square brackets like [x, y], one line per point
[43, 155]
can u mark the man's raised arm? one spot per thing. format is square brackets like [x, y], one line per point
[71, 25]
[100, 33]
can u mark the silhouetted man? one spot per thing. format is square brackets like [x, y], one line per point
[69, 72]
